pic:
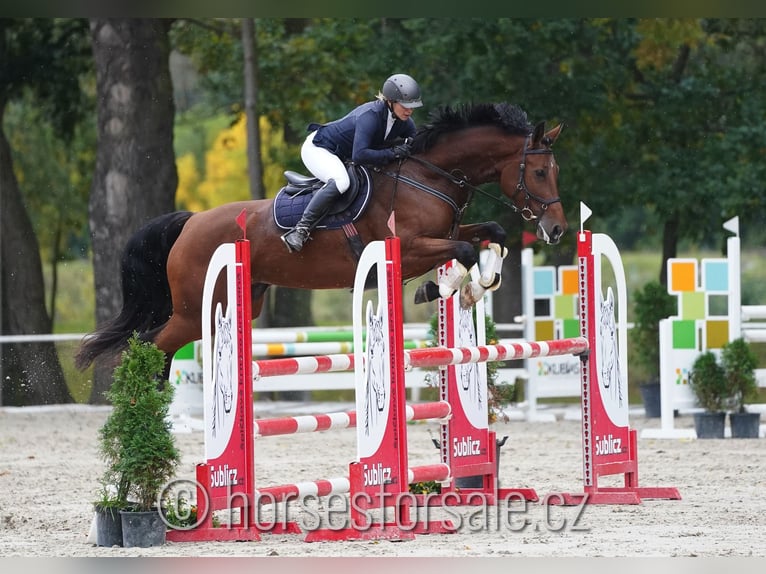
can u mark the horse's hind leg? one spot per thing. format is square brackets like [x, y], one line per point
[177, 332]
[257, 298]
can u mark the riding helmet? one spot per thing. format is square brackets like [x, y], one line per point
[403, 89]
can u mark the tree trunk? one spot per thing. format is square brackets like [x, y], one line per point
[30, 373]
[669, 244]
[254, 163]
[135, 178]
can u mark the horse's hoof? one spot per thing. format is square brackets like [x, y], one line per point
[427, 292]
[470, 294]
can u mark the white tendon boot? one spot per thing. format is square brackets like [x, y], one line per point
[451, 280]
[470, 294]
[491, 275]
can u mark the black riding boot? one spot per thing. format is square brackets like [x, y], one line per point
[317, 207]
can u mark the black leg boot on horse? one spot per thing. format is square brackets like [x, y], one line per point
[315, 210]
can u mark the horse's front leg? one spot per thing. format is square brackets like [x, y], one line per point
[478, 233]
[434, 252]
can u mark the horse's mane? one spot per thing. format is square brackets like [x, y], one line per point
[446, 119]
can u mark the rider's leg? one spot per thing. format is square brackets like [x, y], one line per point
[324, 164]
[319, 205]
[329, 168]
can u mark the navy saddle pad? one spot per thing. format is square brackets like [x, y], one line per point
[293, 198]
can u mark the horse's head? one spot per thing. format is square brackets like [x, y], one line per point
[528, 173]
[532, 184]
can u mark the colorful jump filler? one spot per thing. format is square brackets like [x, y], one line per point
[710, 314]
[549, 301]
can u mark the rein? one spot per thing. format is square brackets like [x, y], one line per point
[526, 212]
[460, 182]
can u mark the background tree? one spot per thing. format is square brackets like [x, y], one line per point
[55, 176]
[44, 58]
[135, 177]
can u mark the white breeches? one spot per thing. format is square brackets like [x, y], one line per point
[324, 164]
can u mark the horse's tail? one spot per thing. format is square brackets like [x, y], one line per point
[146, 302]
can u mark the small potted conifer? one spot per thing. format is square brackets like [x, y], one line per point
[739, 362]
[707, 380]
[137, 442]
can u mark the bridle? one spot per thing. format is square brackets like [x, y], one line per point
[526, 212]
[461, 181]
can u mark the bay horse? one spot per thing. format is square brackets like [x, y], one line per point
[460, 148]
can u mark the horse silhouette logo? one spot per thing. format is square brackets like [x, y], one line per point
[223, 369]
[468, 373]
[609, 358]
[375, 379]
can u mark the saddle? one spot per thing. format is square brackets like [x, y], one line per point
[293, 198]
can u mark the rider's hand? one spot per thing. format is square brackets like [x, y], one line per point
[403, 150]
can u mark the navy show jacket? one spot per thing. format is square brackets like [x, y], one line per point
[359, 135]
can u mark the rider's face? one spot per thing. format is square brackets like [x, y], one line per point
[401, 112]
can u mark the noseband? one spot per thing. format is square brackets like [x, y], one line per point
[521, 187]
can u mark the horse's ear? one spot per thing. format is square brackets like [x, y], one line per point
[551, 135]
[537, 135]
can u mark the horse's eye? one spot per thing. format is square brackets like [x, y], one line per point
[540, 173]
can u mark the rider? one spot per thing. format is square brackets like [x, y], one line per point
[357, 137]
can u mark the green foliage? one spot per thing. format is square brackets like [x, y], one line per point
[425, 487]
[652, 303]
[179, 513]
[47, 57]
[739, 362]
[707, 380]
[728, 383]
[108, 500]
[136, 440]
[654, 103]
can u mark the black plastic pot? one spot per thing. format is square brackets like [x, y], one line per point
[710, 425]
[650, 395]
[108, 527]
[745, 425]
[142, 529]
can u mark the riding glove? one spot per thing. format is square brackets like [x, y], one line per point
[402, 151]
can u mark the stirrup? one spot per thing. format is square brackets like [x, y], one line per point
[295, 238]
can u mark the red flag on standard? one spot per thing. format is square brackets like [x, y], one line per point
[392, 223]
[242, 222]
